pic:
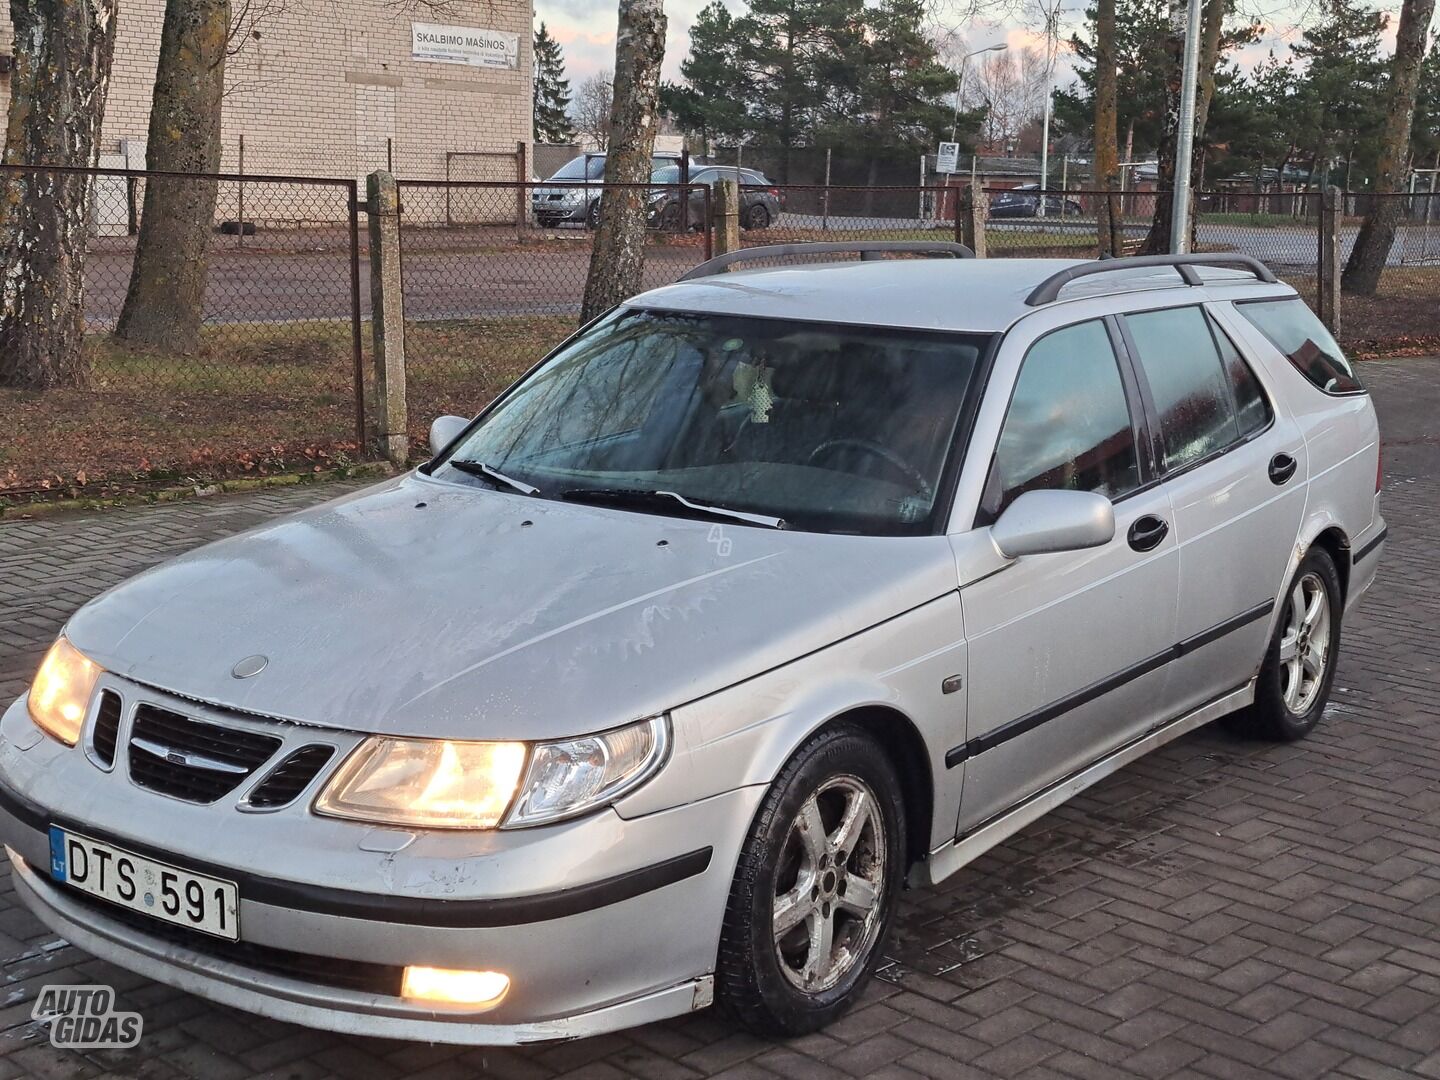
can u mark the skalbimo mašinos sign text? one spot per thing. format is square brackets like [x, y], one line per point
[439, 44]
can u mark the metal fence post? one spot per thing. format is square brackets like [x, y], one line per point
[522, 181]
[387, 320]
[727, 216]
[974, 208]
[357, 344]
[1327, 295]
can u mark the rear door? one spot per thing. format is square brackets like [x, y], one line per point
[1233, 463]
[1065, 648]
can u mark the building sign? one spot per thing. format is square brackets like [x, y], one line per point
[948, 159]
[438, 44]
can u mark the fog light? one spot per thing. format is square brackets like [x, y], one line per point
[454, 987]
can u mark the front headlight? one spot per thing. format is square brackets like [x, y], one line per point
[60, 694]
[431, 783]
[439, 784]
[571, 777]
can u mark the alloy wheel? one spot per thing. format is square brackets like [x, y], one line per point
[1305, 644]
[829, 883]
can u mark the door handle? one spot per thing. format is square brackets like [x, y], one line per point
[1147, 532]
[1282, 468]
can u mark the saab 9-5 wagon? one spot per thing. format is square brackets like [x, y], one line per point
[766, 595]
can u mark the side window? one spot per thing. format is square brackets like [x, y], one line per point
[1252, 409]
[1293, 329]
[1069, 423]
[1187, 383]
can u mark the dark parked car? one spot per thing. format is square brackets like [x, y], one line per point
[1024, 202]
[568, 202]
[760, 200]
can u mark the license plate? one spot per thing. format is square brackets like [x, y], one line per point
[166, 892]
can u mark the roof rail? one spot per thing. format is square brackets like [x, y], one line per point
[1048, 291]
[866, 249]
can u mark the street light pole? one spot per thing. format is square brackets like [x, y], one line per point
[960, 85]
[1044, 151]
[1185, 137]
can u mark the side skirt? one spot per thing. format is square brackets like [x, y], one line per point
[948, 858]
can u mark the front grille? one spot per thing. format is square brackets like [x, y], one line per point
[107, 727]
[191, 759]
[358, 975]
[288, 779]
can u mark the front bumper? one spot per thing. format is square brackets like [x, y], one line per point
[601, 923]
[555, 212]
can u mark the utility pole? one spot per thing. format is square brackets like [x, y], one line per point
[1185, 137]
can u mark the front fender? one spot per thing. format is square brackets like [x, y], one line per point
[742, 736]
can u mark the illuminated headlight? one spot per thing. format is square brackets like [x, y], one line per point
[60, 694]
[432, 783]
[443, 784]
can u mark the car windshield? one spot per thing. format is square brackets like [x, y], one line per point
[585, 167]
[831, 428]
[669, 174]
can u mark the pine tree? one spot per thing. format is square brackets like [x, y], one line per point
[552, 91]
[1341, 87]
[906, 93]
[713, 102]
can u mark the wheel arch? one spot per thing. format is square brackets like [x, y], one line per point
[903, 744]
[1336, 544]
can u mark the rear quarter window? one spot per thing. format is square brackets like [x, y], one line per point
[1294, 329]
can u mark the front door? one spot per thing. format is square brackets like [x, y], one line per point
[1064, 648]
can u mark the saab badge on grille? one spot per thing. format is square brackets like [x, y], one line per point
[251, 665]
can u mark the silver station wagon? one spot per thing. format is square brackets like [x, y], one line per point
[765, 596]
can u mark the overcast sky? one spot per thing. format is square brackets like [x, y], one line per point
[586, 31]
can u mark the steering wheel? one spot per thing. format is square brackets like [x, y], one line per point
[894, 460]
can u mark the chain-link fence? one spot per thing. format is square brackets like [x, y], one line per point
[494, 273]
[234, 347]
[494, 276]
[1282, 230]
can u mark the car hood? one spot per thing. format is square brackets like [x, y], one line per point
[426, 607]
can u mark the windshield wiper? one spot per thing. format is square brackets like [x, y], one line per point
[479, 468]
[644, 497]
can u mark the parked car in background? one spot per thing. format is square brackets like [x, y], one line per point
[760, 200]
[566, 202]
[763, 595]
[1024, 202]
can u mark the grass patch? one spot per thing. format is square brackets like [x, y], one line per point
[251, 399]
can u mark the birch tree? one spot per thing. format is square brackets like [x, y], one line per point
[166, 299]
[617, 259]
[1377, 233]
[57, 103]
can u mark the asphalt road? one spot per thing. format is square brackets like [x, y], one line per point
[261, 284]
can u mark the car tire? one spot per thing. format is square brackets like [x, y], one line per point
[1299, 669]
[757, 217]
[592, 215]
[843, 882]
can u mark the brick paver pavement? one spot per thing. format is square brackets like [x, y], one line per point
[1220, 909]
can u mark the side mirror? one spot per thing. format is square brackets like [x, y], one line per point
[1039, 522]
[443, 431]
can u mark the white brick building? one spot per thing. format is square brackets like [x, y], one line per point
[335, 88]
